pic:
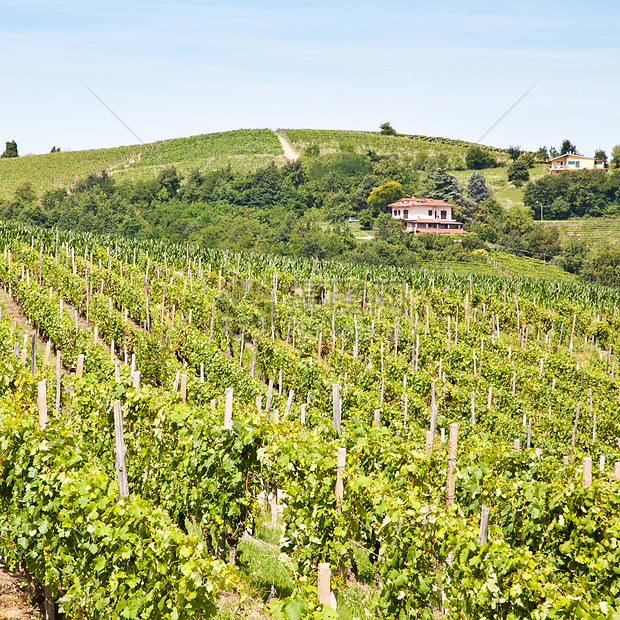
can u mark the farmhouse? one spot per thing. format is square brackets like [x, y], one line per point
[562, 163]
[425, 215]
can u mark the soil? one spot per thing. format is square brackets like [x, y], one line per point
[15, 312]
[16, 597]
[287, 147]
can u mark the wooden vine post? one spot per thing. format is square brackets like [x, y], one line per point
[450, 483]
[42, 403]
[228, 408]
[120, 450]
[483, 534]
[324, 585]
[337, 406]
[587, 471]
[340, 465]
[58, 379]
[79, 371]
[184, 388]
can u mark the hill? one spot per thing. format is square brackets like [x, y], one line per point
[402, 146]
[242, 149]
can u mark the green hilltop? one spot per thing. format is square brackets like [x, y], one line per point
[241, 149]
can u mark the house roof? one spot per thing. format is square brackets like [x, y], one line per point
[432, 221]
[571, 155]
[420, 202]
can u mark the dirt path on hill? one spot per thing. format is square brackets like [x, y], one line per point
[289, 152]
[16, 597]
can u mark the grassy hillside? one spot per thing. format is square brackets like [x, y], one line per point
[403, 146]
[243, 149]
[592, 229]
[502, 264]
[497, 179]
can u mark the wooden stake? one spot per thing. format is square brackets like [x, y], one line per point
[483, 534]
[429, 443]
[339, 491]
[79, 371]
[58, 379]
[587, 471]
[42, 403]
[574, 437]
[120, 450]
[48, 350]
[452, 446]
[336, 407]
[184, 388]
[324, 585]
[228, 408]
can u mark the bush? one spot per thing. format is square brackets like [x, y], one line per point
[477, 158]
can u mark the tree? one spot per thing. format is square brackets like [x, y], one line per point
[380, 197]
[542, 154]
[600, 154]
[387, 129]
[568, 148]
[615, 156]
[11, 149]
[477, 158]
[514, 152]
[55, 149]
[477, 188]
[553, 152]
[518, 174]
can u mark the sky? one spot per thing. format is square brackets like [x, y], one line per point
[444, 68]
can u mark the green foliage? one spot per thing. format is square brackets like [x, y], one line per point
[10, 150]
[615, 156]
[589, 192]
[387, 129]
[514, 152]
[477, 188]
[518, 172]
[567, 147]
[600, 154]
[478, 158]
[380, 197]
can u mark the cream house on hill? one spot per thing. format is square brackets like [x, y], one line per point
[568, 162]
[425, 215]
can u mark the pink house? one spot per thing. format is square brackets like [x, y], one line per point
[425, 215]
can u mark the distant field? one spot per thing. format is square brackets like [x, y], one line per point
[594, 229]
[502, 264]
[243, 149]
[497, 179]
[55, 170]
[403, 146]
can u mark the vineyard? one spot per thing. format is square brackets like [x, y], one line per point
[401, 146]
[242, 150]
[402, 443]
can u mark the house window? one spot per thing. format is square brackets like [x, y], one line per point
[430, 212]
[444, 215]
[406, 213]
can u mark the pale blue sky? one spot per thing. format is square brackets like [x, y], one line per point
[443, 68]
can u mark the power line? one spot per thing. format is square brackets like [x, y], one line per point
[112, 112]
[505, 114]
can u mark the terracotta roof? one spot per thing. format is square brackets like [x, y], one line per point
[420, 202]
